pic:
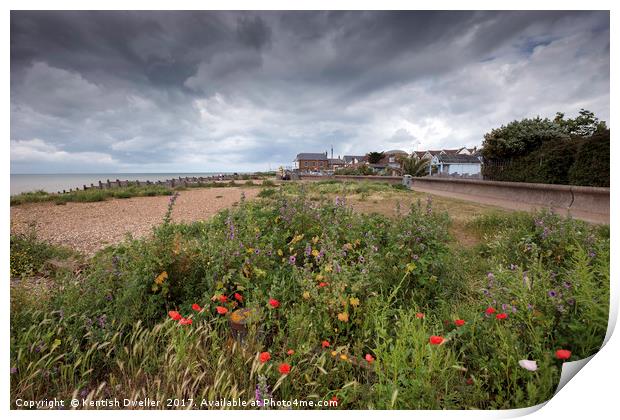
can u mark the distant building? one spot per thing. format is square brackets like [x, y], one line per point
[334, 164]
[456, 164]
[353, 161]
[311, 162]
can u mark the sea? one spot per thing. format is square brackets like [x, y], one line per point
[57, 182]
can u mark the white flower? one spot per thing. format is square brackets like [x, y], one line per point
[528, 364]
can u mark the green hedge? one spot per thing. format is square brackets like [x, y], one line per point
[576, 161]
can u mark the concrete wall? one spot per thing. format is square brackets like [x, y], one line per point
[586, 203]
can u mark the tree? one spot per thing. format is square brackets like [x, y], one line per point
[375, 157]
[519, 138]
[585, 125]
[414, 166]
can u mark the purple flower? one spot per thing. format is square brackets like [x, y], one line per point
[552, 293]
[292, 259]
[513, 267]
[567, 285]
[308, 250]
[257, 251]
[530, 306]
[13, 370]
[84, 393]
[570, 301]
[592, 254]
[415, 257]
[361, 259]
[490, 276]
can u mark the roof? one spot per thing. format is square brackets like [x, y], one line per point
[311, 156]
[419, 155]
[349, 158]
[452, 151]
[335, 161]
[395, 152]
[450, 158]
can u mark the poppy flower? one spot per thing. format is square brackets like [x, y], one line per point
[196, 307]
[459, 322]
[274, 303]
[264, 357]
[334, 400]
[284, 368]
[419, 315]
[325, 343]
[490, 310]
[501, 316]
[238, 297]
[185, 321]
[223, 298]
[369, 358]
[563, 354]
[221, 310]
[290, 352]
[175, 315]
[435, 339]
[323, 284]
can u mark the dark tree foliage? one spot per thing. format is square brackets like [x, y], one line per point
[562, 151]
[375, 157]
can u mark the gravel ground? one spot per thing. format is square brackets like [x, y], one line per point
[88, 227]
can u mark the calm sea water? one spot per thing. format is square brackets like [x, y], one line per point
[58, 182]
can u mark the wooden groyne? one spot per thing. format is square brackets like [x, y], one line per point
[170, 183]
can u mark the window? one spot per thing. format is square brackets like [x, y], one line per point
[392, 159]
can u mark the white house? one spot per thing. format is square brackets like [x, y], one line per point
[461, 164]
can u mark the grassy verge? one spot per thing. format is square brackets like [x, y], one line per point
[369, 310]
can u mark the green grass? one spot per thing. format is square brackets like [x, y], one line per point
[365, 283]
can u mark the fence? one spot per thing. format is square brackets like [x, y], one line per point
[171, 183]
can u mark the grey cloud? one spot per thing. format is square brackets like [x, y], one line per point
[204, 91]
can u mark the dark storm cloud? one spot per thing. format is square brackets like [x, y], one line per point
[170, 91]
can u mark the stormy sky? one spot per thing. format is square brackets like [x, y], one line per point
[242, 91]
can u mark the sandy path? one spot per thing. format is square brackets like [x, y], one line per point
[89, 227]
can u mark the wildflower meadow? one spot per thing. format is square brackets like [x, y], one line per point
[297, 296]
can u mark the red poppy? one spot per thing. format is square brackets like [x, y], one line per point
[274, 303]
[323, 284]
[459, 322]
[369, 358]
[501, 316]
[175, 315]
[490, 310]
[325, 343]
[419, 315]
[290, 352]
[264, 357]
[238, 297]
[185, 321]
[435, 339]
[334, 399]
[563, 354]
[223, 298]
[221, 310]
[284, 368]
[196, 307]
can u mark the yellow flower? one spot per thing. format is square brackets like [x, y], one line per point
[348, 246]
[250, 250]
[306, 295]
[343, 357]
[315, 252]
[354, 301]
[259, 272]
[297, 239]
[334, 353]
[160, 279]
[344, 317]
[328, 268]
[357, 242]
[410, 267]
[315, 239]
[280, 253]
[319, 277]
